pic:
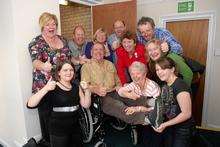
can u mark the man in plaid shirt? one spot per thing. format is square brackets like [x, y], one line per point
[148, 31]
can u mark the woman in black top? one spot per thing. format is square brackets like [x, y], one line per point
[63, 100]
[179, 117]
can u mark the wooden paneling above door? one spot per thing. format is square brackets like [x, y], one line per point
[105, 15]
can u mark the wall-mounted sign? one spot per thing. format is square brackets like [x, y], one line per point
[186, 6]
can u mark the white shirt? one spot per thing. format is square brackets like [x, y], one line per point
[151, 89]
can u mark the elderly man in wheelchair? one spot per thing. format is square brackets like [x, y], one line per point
[130, 103]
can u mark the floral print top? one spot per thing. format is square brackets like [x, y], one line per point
[40, 50]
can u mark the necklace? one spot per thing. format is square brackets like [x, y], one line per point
[69, 88]
[54, 42]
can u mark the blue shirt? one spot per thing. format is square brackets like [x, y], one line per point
[163, 35]
[113, 38]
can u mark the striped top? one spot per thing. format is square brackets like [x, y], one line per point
[151, 89]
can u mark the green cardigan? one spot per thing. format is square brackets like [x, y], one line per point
[183, 68]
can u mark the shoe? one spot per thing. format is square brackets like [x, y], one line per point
[155, 117]
[31, 143]
[43, 143]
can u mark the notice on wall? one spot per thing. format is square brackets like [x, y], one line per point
[186, 6]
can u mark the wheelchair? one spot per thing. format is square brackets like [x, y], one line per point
[92, 124]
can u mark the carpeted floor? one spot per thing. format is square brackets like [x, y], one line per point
[114, 138]
[207, 138]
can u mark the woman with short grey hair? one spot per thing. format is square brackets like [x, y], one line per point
[138, 66]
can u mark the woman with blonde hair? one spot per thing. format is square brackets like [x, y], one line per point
[100, 36]
[45, 50]
[154, 51]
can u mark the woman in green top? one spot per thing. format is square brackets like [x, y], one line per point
[154, 51]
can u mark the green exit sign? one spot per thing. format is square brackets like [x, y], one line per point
[185, 6]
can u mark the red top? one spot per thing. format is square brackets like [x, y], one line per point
[124, 61]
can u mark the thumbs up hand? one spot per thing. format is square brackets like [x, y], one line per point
[50, 85]
[164, 47]
[115, 45]
[47, 66]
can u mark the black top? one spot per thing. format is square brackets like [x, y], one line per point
[61, 123]
[180, 86]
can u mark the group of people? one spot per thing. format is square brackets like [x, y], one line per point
[141, 78]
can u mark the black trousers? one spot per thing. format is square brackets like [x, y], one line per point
[170, 137]
[154, 139]
[181, 136]
[73, 140]
[44, 123]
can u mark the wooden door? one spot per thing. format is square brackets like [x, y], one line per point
[193, 36]
[105, 15]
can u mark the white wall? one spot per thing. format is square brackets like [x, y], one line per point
[9, 79]
[19, 24]
[158, 8]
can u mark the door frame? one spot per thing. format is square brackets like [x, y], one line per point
[211, 16]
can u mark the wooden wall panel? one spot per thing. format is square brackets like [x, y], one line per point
[193, 36]
[105, 15]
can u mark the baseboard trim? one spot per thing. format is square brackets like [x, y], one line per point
[4, 143]
[209, 127]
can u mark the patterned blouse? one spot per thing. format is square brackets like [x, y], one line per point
[40, 50]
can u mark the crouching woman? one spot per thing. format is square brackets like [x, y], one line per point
[63, 100]
[179, 115]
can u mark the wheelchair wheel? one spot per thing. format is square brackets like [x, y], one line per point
[134, 135]
[100, 144]
[86, 125]
[118, 124]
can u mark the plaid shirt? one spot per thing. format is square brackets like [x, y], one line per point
[163, 35]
